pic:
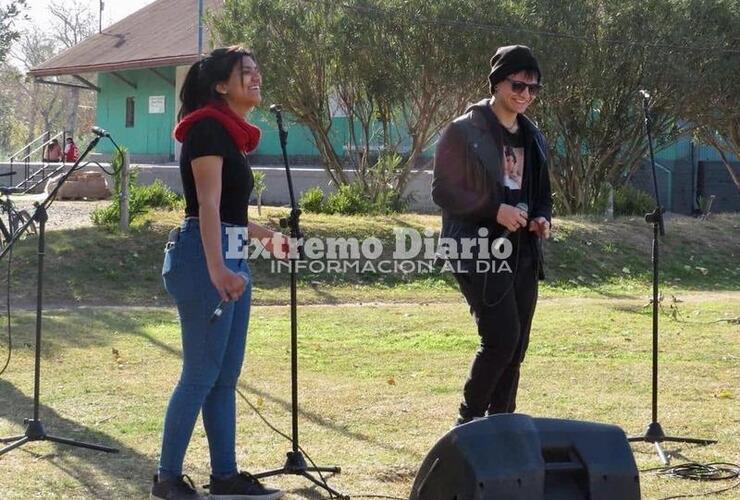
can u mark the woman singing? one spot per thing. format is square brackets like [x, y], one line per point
[201, 269]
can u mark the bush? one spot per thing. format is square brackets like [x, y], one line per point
[348, 200]
[374, 193]
[141, 198]
[157, 195]
[259, 187]
[106, 216]
[110, 215]
[312, 200]
[629, 200]
[381, 182]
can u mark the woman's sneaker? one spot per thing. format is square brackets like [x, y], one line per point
[241, 486]
[175, 488]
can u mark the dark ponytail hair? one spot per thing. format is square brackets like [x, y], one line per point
[199, 88]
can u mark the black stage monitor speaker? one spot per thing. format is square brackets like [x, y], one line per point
[517, 457]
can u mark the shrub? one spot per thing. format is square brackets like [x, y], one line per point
[312, 200]
[157, 195]
[381, 181]
[348, 200]
[629, 200]
[141, 198]
[259, 187]
[110, 215]
[372, 193]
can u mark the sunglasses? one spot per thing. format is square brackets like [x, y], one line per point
[518, 87]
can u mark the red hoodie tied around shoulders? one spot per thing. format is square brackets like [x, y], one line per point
[245, 135]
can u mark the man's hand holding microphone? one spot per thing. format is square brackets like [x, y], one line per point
[514, 218]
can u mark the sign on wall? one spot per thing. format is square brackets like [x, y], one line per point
[156, 104]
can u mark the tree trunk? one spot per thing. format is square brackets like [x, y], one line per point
[124, 194]
[708, 136]
[70, 114]
[33, 113]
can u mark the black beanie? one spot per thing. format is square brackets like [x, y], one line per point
[509, 60]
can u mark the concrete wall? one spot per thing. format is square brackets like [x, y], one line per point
[675, 179]
[303, 179]
[277, 188]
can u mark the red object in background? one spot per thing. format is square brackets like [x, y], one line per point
[70, 152]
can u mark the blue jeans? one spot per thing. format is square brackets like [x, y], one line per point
[212, 354]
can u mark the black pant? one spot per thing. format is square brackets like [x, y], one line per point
[502, 305]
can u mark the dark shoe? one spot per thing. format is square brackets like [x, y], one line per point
[242, 486]
[464, 420]
[175, 489]
[461, 421]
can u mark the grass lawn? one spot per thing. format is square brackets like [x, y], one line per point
[585, 257]
[379, 385]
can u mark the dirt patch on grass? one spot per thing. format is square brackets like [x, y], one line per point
[64, 214]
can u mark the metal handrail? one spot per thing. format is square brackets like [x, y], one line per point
[44, 177]
[29, 144]
[48, 141]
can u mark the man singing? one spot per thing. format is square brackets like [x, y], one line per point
[490, 176]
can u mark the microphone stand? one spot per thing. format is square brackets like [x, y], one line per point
[295, 463]
[34, 428]
[654, 432]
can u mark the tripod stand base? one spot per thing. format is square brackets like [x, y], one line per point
[654, 434]
[35, 432]
[296, 465]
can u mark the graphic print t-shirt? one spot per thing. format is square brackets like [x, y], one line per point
[513, 165]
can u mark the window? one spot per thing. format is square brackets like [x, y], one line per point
[129, 112]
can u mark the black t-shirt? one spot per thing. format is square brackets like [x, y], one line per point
[514, 160]
[208, 137]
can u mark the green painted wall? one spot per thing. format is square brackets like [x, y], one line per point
[151, 133]
[300, 140]
[679, 150]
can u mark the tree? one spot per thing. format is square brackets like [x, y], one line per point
[591, 109]
[12, 127]
[392, 67]
[10, 12]
[73, 22]
[710, 100]
[292, 41]
[39, 101]
[401, 69]
[422, 69]
[33, 107]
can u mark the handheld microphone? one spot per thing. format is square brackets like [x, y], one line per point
[219, 311]
[100, 132]
[500, 240]
[644, 94]
[276, 108]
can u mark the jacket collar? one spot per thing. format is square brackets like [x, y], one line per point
[479, 120]
[531, 132]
